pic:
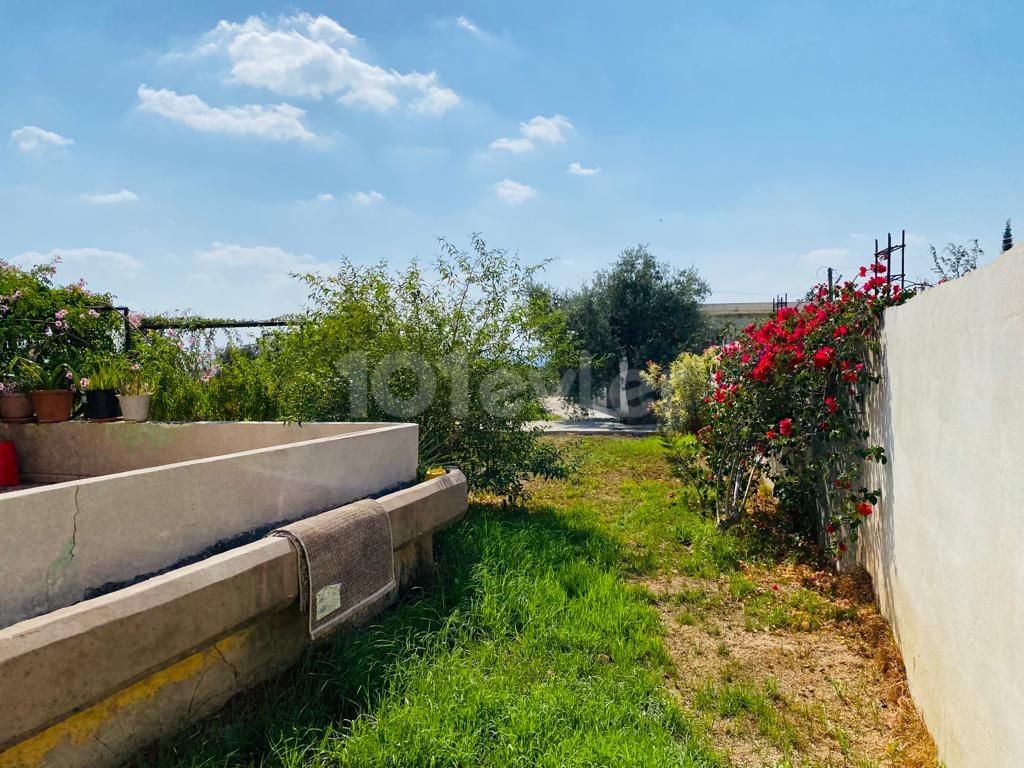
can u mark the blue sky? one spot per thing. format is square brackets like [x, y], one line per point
[189, 155]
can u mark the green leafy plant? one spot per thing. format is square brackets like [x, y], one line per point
[135, 381]
[681, 389]
[101, 373]
[51, 323]
[39, 377]
[17, 378]
[373, 341]
[956, 260]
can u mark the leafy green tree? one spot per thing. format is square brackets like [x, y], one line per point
[455, 349]
[640, 308]
[1007, 237]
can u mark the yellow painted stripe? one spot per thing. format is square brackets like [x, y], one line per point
[82, 728]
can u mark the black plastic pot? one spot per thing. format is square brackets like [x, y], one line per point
[101, 404]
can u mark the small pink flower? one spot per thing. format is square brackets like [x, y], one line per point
[83, 382]
[61, 314]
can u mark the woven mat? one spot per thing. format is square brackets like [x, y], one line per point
[345, 562]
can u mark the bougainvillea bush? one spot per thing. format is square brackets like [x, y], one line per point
[50, 324]
[786, 401]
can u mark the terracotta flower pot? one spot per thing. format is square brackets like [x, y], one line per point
[135, 407]
[15, 407]
[53, 405]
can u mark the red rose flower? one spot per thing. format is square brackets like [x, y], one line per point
[771, 434]
[786, 427]
[832, 404]
[830, 528]
[824, 357]
[841, 331]
[864, 509]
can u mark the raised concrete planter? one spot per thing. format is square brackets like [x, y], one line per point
[132, 500]
[88, 684]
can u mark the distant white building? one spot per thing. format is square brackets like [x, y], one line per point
[737, 315]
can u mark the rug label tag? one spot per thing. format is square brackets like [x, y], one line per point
[328, 600]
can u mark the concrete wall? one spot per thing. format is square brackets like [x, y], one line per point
[736, 315]
[51, 453]
[946, 547]
[87, 685]
[60, 541]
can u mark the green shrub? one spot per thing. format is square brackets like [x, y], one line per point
[681, 390]
[455, 352]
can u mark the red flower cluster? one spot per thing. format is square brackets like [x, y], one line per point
[824, 357]
[800, 376]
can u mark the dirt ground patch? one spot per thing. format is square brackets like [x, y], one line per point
[791, 667]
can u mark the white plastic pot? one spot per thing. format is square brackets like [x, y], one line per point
[134, 407]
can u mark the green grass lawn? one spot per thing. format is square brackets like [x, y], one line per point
[536, 645]
[530, 649]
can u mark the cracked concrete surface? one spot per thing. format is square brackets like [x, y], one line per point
[55, 573]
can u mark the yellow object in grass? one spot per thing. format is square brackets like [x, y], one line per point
[435, 472]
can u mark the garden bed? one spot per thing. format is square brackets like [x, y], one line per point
[125, 501]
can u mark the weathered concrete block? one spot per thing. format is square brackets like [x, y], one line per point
[88, 684]
[63, 540]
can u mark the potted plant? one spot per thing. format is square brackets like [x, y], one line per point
[136, 395]
[15, 404]
[100, 388]
[52, 391]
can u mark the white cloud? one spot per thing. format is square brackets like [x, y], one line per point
[516, 146]
[303, 55]
[32, 137]
[435, 101]
[324, 197]
[82, 257]
[549, 130]
[276, 121]
[464, 23]
[124, 196]
[578, 170]
[269, 258]
[826, 257]
[513, 193]
[367, 198]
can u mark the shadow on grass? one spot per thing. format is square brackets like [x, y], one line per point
[526, 648]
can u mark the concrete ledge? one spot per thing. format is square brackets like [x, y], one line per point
[79, 657]
[63, 541]
[88, 449]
